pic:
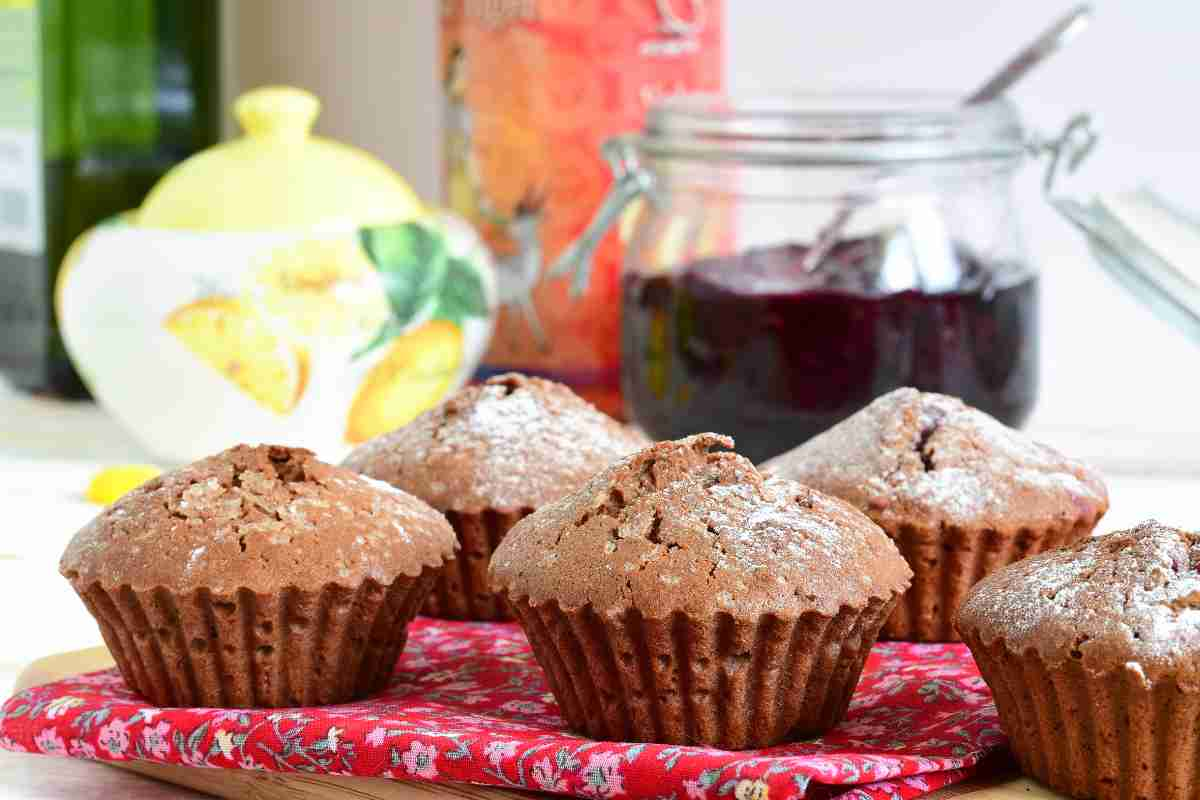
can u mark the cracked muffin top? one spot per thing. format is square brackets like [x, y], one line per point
[509, 444]
[930, 460]
[261, 518]
[678, 528]
[1128, 600]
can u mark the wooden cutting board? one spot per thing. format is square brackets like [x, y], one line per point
[998, 781]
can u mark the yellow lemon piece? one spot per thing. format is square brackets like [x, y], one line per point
[111, 483]
[415, 373]
[226, 334]
[319, 289]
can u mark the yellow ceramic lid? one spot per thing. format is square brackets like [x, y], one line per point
[278, 176]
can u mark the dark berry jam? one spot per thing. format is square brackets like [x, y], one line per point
[754, 347]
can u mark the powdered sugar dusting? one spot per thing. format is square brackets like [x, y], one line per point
[922, 458]
[512, 443]
[258, 518]
[1127, 597]
[675, 526]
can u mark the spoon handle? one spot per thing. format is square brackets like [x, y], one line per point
[1050, 40]
[1053, 38]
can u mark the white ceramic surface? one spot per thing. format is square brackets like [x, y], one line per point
[124, 284]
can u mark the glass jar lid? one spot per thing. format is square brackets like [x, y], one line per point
[832, 128]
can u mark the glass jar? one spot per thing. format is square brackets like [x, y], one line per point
[790, 258]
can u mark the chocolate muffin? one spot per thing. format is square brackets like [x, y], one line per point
[960, 493]
[486, 457]
[1093, 655]
[681, 597]
[258, 577]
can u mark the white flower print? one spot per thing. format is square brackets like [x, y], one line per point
[155, 740]
[496, 752]
[747, 789]
[547, 777]
[50, 743]
[224, 740]
[81, 749]
[376, 736]
[420, 760]
[8, 744]
[114, 738]
[602, 775]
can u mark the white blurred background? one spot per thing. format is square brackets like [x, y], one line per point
[1137, 70]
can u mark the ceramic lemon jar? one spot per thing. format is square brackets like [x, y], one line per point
[280, 287]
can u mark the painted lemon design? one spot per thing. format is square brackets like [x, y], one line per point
[415, 373]
[319, 291]
[226, 334]
[111, 483]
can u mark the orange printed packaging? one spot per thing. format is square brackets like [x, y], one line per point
[532, 90]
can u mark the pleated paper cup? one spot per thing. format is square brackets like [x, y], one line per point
[251, 649]
[724, 682]
[1116, 736]
[461, 591]
[947, 561]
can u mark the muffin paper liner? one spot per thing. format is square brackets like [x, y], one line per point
[250, 649]
[1101, 737]
[467, 702]
[462, 590]
[946, 562]
[724, 682]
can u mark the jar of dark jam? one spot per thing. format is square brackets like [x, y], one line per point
[790, 258]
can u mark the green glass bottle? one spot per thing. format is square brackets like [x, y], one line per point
[98, 98]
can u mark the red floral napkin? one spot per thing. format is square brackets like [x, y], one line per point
[469, 703]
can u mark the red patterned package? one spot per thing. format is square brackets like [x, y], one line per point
[532, 89]
[468, 703]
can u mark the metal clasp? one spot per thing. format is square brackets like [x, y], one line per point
[1067, 150]
[632, 181]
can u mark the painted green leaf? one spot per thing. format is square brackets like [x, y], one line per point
[411, 260]
[387, 331]
[462, 293]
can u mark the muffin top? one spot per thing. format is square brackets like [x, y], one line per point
[1126, 600]
[930, 460]
[677, 528]
[509, 444]
[261, 518]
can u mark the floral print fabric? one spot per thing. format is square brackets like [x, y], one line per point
[469, 703]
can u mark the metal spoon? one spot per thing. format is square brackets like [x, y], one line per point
[1051, 40]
